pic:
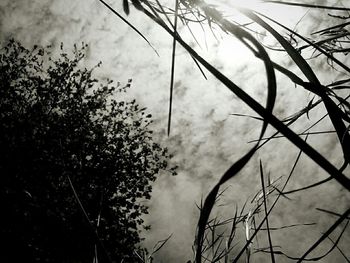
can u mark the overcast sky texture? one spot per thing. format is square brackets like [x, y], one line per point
[205, 137]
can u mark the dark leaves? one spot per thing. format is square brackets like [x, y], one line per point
[77, 154]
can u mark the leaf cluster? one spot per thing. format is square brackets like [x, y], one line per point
[76, 163]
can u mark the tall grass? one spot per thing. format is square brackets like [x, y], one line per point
[211, 245]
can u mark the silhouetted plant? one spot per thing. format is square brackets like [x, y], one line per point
[76, 163]
[331, 41]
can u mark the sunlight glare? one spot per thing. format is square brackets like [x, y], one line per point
[250, 4]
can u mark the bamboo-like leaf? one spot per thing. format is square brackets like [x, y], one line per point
[339, 82]
[137, 5]
[340, 87]
[126, 7]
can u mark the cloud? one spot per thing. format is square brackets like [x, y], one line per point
[205, 138]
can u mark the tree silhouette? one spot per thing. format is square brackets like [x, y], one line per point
[75, 162]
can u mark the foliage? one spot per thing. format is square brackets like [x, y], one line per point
[76, 163]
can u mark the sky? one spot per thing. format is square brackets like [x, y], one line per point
[205, 137]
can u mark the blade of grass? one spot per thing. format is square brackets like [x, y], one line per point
[300, 134]
[342, 25]
[325, 235]
[266, 215]
[318, 258]
[245, 115]
[330, 212]
[339, 82]
[319, 43]
[160, 244]
[173, 66]
[308, 187]
[341, 252]
[289, 226]
[129, 24]
[342, 168]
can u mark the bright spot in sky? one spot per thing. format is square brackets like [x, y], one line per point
[227, 5]
[251, 4]
[283, 13]
[230, 11]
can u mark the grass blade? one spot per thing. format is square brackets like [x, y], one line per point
[341, 252]
[325, 235]
[173, 66]
[266, 215]
[129, 24]
[330, 212]
[342, 168]
[160, 244]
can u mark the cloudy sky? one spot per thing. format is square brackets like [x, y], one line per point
[205, 138]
